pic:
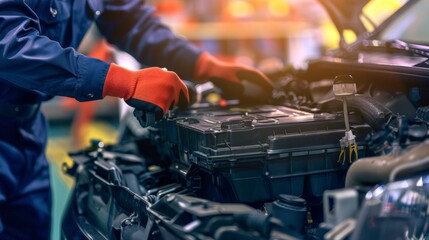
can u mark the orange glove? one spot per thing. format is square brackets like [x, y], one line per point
[150, 90]
[229, 76]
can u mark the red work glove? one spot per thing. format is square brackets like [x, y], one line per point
[229, 76]
[151, 90]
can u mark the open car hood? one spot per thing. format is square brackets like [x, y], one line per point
[346, 14]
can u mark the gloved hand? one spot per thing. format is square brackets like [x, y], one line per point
[229, 76]
[151, 89]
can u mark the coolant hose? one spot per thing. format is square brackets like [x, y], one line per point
[374, 113]
[375, 170]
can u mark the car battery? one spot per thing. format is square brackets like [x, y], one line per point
[259, 152]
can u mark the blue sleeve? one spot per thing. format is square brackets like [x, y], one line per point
[132, 26]
[34, 62]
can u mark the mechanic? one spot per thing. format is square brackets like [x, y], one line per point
[38, 41]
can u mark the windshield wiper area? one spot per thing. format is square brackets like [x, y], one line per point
[397, 44]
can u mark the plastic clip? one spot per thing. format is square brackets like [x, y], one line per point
[353, 151]
[342, 156]
[348, 141]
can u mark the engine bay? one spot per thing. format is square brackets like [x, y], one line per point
[276, 170]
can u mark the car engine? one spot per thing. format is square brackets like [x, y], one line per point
[249, 171]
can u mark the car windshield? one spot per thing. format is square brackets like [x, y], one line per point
[410, 25]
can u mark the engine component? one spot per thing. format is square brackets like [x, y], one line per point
[184, 217]
[291, 210]
[251, 155]
[254, 154]
[423, 113]
[339, 205]
[381, 169]
[397, 210]
[375, 114]
[341, 231]
[104, 205]
[344, 87]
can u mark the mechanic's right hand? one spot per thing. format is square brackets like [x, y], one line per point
[150, 89]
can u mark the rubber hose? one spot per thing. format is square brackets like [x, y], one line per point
[375, 170]
[374, 113]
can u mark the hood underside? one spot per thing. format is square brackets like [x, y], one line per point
[346, 14]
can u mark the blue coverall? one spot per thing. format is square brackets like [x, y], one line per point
[38, 60]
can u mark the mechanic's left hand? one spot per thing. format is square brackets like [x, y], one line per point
[229, 77]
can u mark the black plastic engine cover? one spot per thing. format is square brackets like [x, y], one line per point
[254, 154]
